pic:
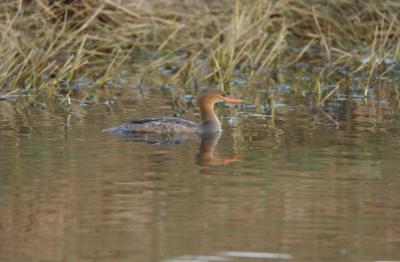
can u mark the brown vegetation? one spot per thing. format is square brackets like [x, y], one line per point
[47, 46]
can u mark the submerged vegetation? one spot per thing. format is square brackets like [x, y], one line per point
[68, 51]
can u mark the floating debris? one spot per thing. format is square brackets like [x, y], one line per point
[284, 88]
[186, 98]
[167, 87]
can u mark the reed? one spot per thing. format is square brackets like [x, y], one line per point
[47, 46]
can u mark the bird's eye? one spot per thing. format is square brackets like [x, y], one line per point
[224, 95]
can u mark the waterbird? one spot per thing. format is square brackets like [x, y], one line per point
[170, 125]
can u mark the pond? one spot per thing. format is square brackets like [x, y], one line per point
[308, 184]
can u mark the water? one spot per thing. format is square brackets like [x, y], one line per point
[311, 185]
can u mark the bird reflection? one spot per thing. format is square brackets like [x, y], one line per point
[206, 155]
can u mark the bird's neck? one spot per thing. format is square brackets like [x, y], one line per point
[210, 121]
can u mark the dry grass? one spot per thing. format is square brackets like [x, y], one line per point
[48, 45]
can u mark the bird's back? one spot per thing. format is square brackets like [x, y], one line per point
[160, 125]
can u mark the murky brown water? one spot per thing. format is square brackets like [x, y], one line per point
[318, 185]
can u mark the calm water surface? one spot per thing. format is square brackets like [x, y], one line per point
[315, 185]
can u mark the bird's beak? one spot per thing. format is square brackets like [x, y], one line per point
[232, 100]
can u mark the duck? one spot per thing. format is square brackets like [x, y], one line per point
[173, 125]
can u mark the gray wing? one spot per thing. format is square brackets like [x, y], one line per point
[155, 125]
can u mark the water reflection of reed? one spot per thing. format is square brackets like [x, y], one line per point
[93, 215]
[284, 204]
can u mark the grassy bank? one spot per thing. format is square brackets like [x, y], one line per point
[58, 50]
